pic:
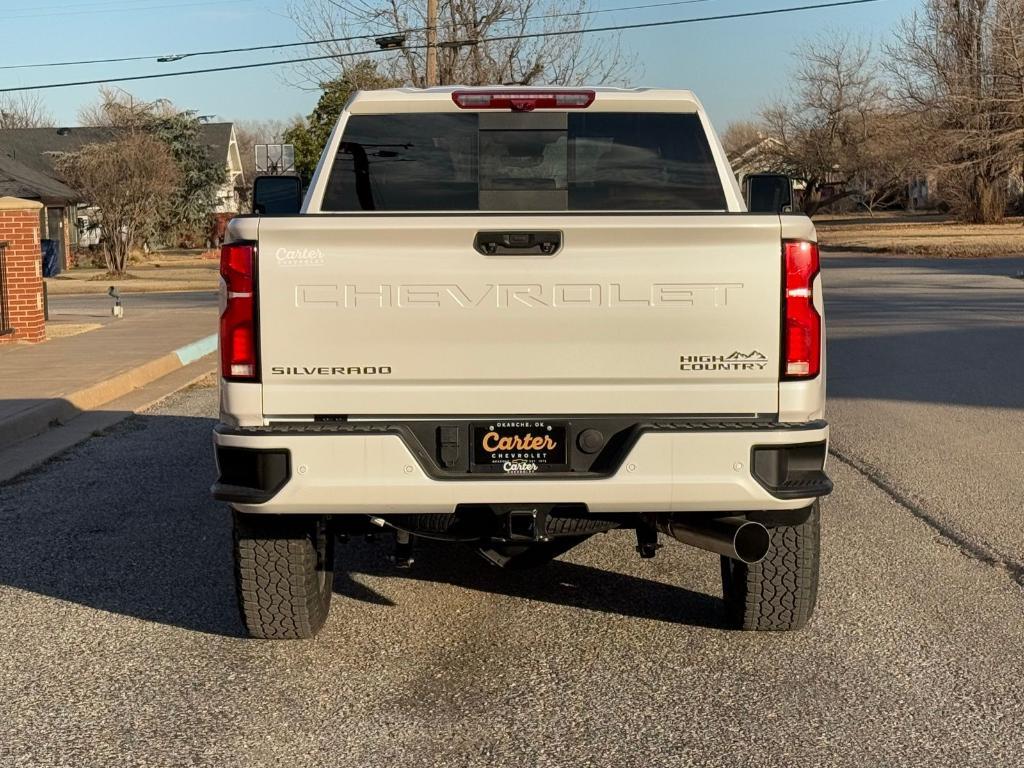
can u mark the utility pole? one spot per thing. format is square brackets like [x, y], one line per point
[431, 43]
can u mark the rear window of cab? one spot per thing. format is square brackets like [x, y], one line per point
[534, 161]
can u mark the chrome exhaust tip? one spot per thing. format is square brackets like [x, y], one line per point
[734, 537]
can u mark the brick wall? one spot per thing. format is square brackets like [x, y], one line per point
[19, 228]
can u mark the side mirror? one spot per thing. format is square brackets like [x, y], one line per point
[768, 193]
[277, 195]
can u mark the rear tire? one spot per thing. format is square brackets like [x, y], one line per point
[779, 593]
[284, 574]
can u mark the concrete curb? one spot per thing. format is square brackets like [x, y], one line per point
[37, 419]
[27, 455]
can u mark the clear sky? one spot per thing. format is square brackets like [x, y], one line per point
[733, 65]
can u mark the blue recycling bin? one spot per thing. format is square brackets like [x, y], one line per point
[51, 258]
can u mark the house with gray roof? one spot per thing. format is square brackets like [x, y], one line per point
[38, 148]
[20, 180]
[27, 169]
[57, 216]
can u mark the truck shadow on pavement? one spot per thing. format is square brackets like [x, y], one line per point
[977, 365]
[124, 523]
[560, 582]
[941, 332]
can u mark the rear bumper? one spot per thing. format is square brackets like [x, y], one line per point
[282, 471]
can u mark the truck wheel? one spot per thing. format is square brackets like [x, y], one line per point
[284, 574]
[778, 593]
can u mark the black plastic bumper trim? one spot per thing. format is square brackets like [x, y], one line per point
[791, 471]
[251, 475]
[659, 424]
[420, 437]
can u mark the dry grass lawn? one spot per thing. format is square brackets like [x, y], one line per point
[920, 235]
[165, 271]
[63, 330]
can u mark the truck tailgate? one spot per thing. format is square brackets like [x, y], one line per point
[401, 315]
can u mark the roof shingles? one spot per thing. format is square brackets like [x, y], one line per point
[19, 180]
[27, 155]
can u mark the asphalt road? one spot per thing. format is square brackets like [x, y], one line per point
[926, 364]
[119, 642]
[98, 305]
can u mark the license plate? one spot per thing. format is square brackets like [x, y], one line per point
[520, 447]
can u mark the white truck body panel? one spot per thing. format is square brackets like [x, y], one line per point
[599, 327]
[645, 313]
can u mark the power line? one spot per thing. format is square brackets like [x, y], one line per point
[74, 63]
[498, 38]
[219, 51]
[324, 41]
[80, 10]
[21, 7]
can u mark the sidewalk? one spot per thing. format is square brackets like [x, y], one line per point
[54, 381]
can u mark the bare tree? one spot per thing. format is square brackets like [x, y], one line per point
[117, 108]
[25, 109]
[130, 181]
[740, 135]
[825, 131]
[958, 69]
[887, 163]
[201, 176]
[465, 55]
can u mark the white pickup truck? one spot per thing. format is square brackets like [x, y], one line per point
[514, 318]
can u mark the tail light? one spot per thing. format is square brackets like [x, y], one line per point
[238, 320]
[523, 101]
[801, 338]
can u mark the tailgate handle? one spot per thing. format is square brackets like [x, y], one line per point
[518, 243]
